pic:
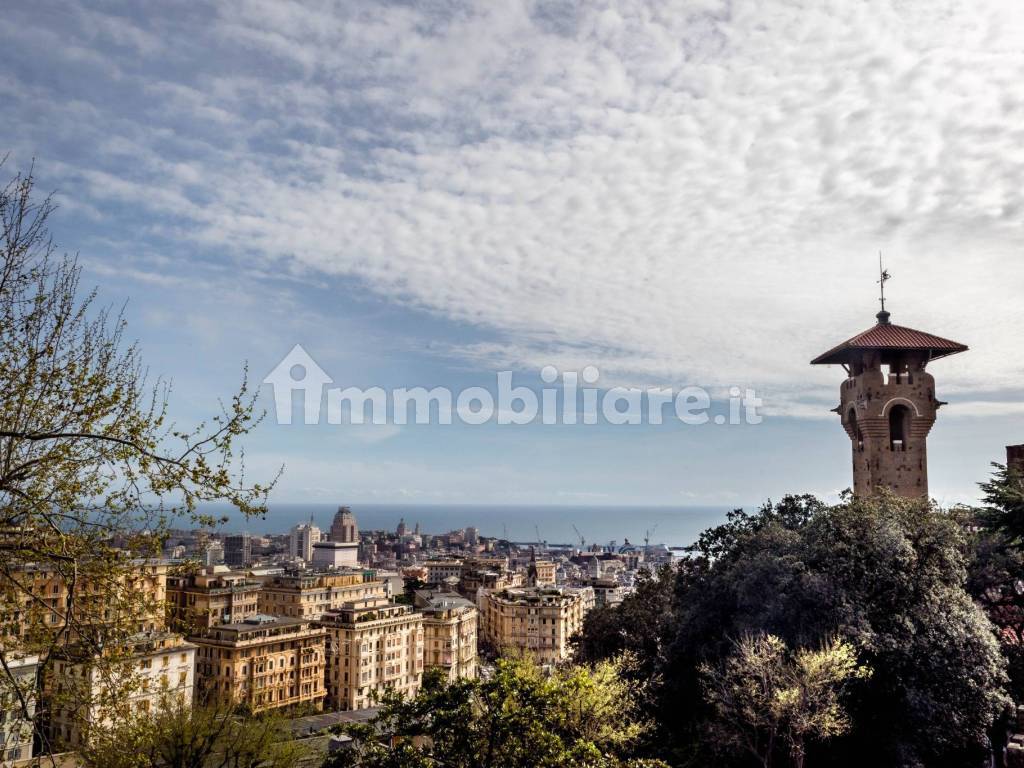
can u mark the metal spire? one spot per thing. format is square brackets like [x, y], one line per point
[883, 276]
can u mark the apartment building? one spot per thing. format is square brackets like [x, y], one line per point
[214, 595]
[540, 620]
[488, 573]
[90, 689]
[541, 573]
[439, 571]
[449, 633]
[264, 662]
[310, 594]
[128, 596]
[372, 644]
[608, 592]
[16, 686]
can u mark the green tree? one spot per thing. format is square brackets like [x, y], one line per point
[888, 574]
[764, 696]
[177, 735]
[91, 467]
[637, 625]
[576, 717]
[1004, 499]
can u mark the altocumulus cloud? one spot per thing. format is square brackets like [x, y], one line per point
[674, 191]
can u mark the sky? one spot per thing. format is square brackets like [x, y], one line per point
[687, 193]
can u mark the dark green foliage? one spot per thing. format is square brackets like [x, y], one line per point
[886, 575]
[996, 566]
[1004, 497]
[638, 624]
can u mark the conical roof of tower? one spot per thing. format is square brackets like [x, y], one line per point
[884, 337]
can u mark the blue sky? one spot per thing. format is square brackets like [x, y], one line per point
[687, 193]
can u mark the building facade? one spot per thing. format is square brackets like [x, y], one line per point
[16, 722]
[538, 620]
[214, 595]
[449, 633]
[344, 528]
[84, 691]
[372, 644]
[238, 550]
[440, 571]
[264, 662]
[310, 595]
[301, 539]
[129, 597]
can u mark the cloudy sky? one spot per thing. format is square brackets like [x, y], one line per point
[679, 193]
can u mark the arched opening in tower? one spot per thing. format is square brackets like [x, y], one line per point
[899, 427]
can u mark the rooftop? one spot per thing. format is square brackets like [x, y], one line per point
[885, 337]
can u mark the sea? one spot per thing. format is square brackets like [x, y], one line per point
[554, 524]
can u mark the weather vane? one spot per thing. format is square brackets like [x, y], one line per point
[883, 275]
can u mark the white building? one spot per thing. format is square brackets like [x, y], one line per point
[15, 720]
[87, 691]
[341, 549]
[303, 537]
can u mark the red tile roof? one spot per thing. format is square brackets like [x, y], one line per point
[885, 337]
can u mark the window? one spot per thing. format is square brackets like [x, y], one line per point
[899, 427]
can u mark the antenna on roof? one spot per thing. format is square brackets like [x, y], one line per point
[883, 276]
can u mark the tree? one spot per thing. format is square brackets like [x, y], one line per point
[764, 696]
[885, 573]
[91, 467]
[577, 717]
[177, 735]
[1004, 497]
[636, 625]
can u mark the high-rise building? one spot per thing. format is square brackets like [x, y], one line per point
[341, 549]
[238, 550]
[889, 413]
[372, 644]
[344, 527]
[301, 540]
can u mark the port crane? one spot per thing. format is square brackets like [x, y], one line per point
[583, 542]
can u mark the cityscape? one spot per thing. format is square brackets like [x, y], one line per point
[530, 384]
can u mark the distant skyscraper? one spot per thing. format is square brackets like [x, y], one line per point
[344, 528]
[401, 527]
[303, 537]
[238, 550]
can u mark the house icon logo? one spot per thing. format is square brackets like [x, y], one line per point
[297, 372]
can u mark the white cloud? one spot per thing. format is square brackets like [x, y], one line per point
[692, 192]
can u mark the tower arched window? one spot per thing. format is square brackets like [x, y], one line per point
[899, 427]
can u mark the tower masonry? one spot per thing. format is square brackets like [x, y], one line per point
[888, 404]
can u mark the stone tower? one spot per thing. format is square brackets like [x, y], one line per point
[887, 404]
